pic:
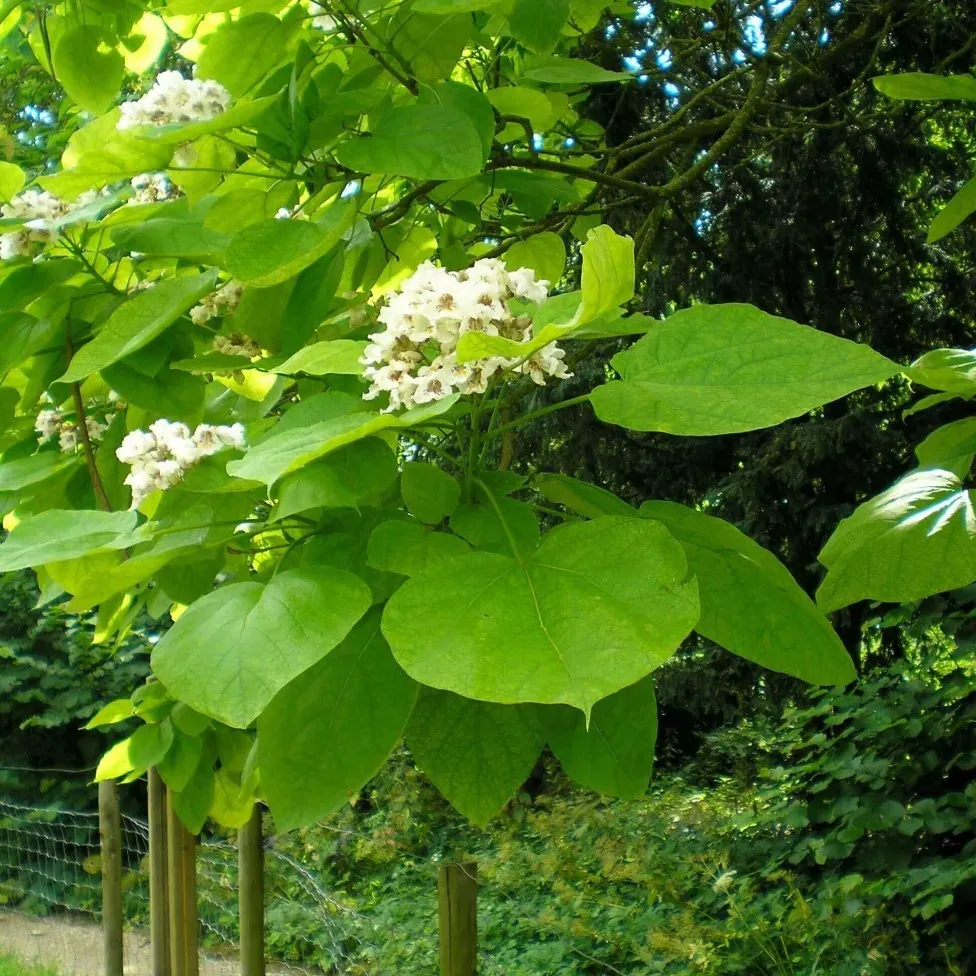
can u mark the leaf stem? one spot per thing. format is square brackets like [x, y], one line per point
[501, 518]
[535, 414]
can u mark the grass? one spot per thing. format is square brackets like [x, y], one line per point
[15, 966]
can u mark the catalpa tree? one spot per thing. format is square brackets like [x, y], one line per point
[267, 331]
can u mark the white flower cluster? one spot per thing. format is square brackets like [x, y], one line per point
[414, 359]
[224, 301]
[50, 424]
[152, 188]
[236, 344]
[161, 455]
[174, 98]
[38, 209]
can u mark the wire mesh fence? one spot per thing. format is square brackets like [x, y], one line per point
[50, 898]
[356, 895]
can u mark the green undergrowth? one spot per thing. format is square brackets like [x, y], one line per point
[849, 854]
[15, 966]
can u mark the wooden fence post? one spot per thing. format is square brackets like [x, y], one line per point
[191, 925]
[458, 896]
[110, 835]
[158, 866]
[250, 885]
[176, 887]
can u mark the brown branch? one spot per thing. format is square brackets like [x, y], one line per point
[589, 175]
[81, 419]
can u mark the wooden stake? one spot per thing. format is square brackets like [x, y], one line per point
[110, 834]
[250, 884]
[176, 887]
[458, 891]
[190, 920]
[158, 866]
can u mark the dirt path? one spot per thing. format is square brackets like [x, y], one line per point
[74, 948]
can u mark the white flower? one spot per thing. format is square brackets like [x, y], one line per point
[161, 456]
[50, 424]
[232, 436]
[218, 303]
[524, 285]
[414, 359]
[152, 188]
[236, 344]
[36, 205]
[16, 244]
[38, 210]
[68, 439]
[174, 98]
[47, 424]
[134, 445]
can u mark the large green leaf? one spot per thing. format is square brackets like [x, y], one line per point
[89, 68]
[422, 142]
[23, 336]
[570, 71]
[347, 478]
[579, 496]
[272, 251]
[544, 253]
[292, 447]
[954, 212]
[181, 761]
[476, 753]
[323, 358]
[171, 237]
[98, 154]
[529, 103]
[750, 604]
[952, 370]
[137, 321]
[498, 527]
[21, 285]
[409, 548]
[232, 651]
[326, 734]
[595, 607]
[173, 395]
[918, 86]
[430, 44]
[536, 24]
[192, 803]
[429, 492]
[916, 539]
[58, 534]
[24, 472]
[608, 273]
[951, 447]
[615, 754]
[721, 369]
[241, 52]
[470, 102]
[12, 179]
